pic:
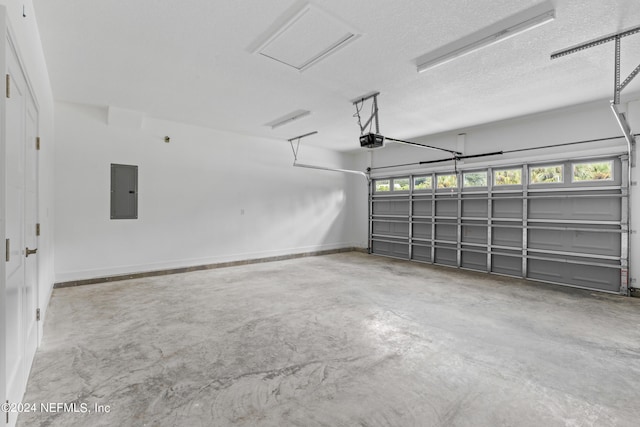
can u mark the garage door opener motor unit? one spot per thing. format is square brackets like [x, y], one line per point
[376, 140]
[371, 140]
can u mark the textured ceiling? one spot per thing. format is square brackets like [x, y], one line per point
[194, 62]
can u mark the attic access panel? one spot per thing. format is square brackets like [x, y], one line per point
[124, 191]
[306, 38]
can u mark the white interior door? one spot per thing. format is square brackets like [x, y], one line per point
[21, 214]
[31, 237]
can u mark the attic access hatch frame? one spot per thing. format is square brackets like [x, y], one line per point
[296, 150]
[618, 86]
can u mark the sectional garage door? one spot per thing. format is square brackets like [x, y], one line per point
[559, 222]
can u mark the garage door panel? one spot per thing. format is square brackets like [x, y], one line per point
[579, 208]
[474, 260]
[381, 227]
[506, 237]
[545, 270]
[446, 256]
[597, 243]
[585, 276]
[474, 208]
[422, 230]
[547, 239]
[509, 208]
[596, 208]
[596, 278]
[446, 207]
[395, 207]
[422, 207]
[502, 264]
[474, 233]
[391, 228]
[547, 209]
[587, 242]
[399, 250]
[421, 253]
[447, 232]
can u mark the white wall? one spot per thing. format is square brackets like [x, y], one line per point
[24, 32]
[192, 195]
[582, 122]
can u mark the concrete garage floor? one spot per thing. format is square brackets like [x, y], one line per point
[339, 340]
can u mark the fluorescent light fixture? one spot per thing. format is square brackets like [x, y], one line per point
[298, 114]
[502, 30]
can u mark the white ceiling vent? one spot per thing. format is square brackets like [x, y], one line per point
[306, 38]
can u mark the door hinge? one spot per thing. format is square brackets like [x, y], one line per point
[38, 143]
[7, 247]
[37, 229]
[7, 411]
[37, 314]
[8, 86]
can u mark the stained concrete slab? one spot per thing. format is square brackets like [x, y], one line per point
[338, 340]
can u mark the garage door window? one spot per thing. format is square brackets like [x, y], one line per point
[546, 174]
[592, 171]
[507, 177]
[422, 183]
[383, 185]
[447, 181]
[475, 179]
[401, 184]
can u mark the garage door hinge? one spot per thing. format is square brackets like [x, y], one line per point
[8, 86]
[37, 314]
[37, 229]
[37, 143]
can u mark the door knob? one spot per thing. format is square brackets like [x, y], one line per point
[31, 251]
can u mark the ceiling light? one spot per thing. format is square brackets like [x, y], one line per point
[298, 114]
[507, 28]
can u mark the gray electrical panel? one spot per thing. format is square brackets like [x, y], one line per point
[124, 191]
